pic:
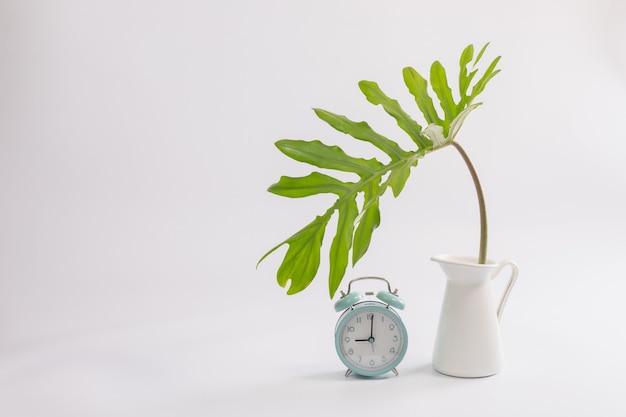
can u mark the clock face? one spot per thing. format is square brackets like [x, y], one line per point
[370, 339]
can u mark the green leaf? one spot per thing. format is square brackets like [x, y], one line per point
[355, 228]
[375, 95]
[324, 156]
[399, 176]
[465, 99]
[369, 221]
[480, 54]
[439, 82]
[340, 248]
[464, 78]
[458, 121]
[361, 131]
[418, 87]
[490, 72]
[314, 183]
[302, 260]
[466, 56]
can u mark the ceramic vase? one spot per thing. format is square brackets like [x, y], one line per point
[468, 342]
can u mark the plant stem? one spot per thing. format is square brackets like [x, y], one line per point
[482, 253]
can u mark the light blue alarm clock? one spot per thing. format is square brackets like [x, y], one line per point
[370, 337]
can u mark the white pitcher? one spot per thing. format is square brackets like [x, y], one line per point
[468, 340]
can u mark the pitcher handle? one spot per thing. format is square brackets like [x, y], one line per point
[509, 285]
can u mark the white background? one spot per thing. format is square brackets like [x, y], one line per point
[136, 145]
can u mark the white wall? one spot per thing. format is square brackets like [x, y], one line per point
[136, 145]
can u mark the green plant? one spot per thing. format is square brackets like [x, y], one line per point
[357, 203]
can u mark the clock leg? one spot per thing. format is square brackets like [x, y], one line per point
[395, 371]
[348, 372]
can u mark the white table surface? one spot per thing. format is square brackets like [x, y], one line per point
[563, 344]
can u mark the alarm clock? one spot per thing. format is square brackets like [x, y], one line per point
[370, 337]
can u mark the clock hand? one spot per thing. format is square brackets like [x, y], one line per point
[371, 339]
